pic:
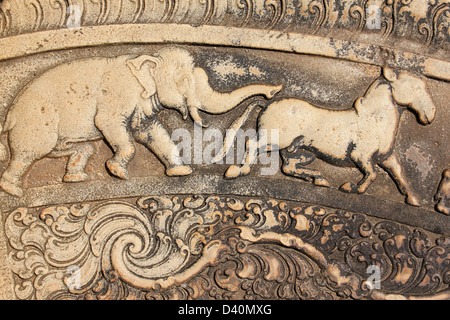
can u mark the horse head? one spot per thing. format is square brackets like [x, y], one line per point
[410, 90]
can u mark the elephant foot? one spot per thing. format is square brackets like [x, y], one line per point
[12, 188]
[117, 170]
[178, 171]
[75, 177]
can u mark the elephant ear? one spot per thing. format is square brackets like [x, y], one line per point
[142, 68]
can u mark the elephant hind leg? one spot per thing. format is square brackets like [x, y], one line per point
[11, 180]
[78, 158]
[23, 155]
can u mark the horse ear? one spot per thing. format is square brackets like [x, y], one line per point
[389, 74]
[143, 71]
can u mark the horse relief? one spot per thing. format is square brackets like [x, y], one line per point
[362, 136]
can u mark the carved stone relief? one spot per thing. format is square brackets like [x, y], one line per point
[217, 150]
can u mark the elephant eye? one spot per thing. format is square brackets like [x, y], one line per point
[183, 82]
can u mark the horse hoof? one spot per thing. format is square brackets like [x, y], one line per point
[233, 172]
[12, 188]
[76, 177]
[321, 182]
[413, 201]
[116, 169]
[442, 208]
[348, 187]
[179, 171]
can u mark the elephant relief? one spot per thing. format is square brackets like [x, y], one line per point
[62, 111]
[362, 136]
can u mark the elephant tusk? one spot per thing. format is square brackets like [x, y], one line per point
[196, 117]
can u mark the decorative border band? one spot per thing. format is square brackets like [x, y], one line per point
[246, 186]
[46, 41]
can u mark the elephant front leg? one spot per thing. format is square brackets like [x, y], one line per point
[117, 135]
[156, 138]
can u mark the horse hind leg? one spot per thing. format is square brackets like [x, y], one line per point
[294, 166]
[365, 164]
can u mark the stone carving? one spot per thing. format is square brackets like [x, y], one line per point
[443, 194]
[117, 99]
[191, 247]
[362, 136]
[78, 73]
[424, 22]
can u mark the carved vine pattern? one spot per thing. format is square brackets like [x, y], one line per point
[192, 247]
[316, 15]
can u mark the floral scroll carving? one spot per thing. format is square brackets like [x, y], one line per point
[426, 21]
[193, 247]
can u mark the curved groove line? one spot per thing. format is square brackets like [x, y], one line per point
[151, 5]
[359, 12]
[140, 8]
[168, 10]
[186, 13]
[322, 9]
[209, 11]
[248, 13]
[2, 22]
[119, 15]
[390, 25]
[62, 5]
[38, 11]
[444, 7]
[106, 9]
[432, 31]
[278, 11]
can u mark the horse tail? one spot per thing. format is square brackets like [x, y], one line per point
[234, 129]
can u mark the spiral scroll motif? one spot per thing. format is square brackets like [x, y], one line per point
[191, 247]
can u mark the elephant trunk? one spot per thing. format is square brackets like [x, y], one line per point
[214, 102]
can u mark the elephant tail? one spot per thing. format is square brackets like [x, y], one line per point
[234, 129]
[3, 151]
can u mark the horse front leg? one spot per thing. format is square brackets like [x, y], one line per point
[392, 166]
[251, 154]
[365, 164]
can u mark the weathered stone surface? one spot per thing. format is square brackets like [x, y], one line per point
[215, 149]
